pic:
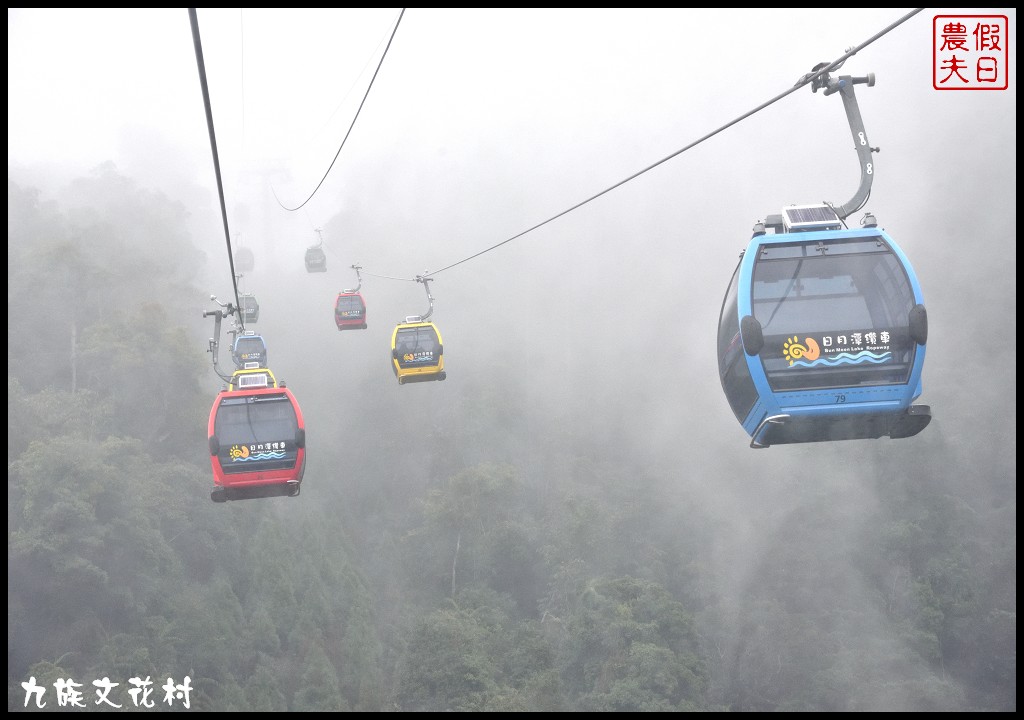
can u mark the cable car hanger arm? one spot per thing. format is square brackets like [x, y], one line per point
[214, 347]
[359, 280]
[430, 298]
[844, 86]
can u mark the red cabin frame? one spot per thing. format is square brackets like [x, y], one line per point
[346, 315]
[259, 448]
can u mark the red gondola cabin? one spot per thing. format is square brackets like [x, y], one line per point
[257, 439]
[350, 311]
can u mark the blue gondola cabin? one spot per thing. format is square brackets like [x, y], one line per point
[822, 333]
[249, 351]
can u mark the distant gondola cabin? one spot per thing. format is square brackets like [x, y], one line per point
[250, 307]
[316, 259]
[350, 311]
[244, 260]
[417, 354]
[249, 351]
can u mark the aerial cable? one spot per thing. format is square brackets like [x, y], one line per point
[312, 225]
[244, 143]
[352, 87]
[365, 95]
[241, 52]
[391, 277]
[820, 70]
[213, 147]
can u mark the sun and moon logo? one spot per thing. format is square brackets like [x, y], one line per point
[808, 354]
[795, 350]
[242, 453]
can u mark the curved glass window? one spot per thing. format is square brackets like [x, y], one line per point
[250, 349]
[417, 346]
[834, 313]
[732, 362]
[349, 307]
[256, 432]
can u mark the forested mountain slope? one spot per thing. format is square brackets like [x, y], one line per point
[459, 546]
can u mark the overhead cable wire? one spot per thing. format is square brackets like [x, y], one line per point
[197, 42]
[348, 93]
[352, 125]
[805, 80]
[241, 53]
[391, 277]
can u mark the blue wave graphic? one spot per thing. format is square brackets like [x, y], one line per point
[864, 356]
[263, 456]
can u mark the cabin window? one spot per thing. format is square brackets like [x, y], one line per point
[417, 347]
[732, 361]
[833, 315]
[256, 432]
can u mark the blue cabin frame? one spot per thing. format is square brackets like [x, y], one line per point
[822, 336]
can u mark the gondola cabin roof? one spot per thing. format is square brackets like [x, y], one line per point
[802, 218]
[253, 378]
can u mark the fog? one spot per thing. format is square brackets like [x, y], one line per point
[600, 324]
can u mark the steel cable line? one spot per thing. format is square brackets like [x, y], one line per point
[821, 69]
[352, 125]
[197, 42]
[391, 277]
[805, 80]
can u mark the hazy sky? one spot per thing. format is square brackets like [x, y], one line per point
[583, 98]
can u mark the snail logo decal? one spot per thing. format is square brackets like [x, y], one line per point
[793, 350]
[262, 451]
[808, 353]
[423, 356]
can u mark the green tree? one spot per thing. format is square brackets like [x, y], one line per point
[632, 647]
[319, 691]
[447, 666]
